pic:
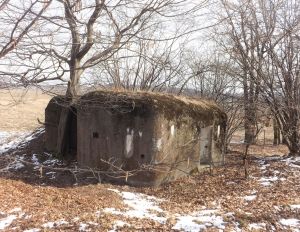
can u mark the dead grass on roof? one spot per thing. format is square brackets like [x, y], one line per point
[171, 105]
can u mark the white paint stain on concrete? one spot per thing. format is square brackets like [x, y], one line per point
[159, 144]
[129, 143]
[172, 130]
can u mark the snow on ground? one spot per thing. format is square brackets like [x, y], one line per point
[293, 207]
[32, 230]
[8, 218]
[54, 224]
[257, 226]
[249, 198]
[293, 162]
[200, 221]
[142, 206]
[268, 181]
[5, 222]
[117, 225]
[292, 223]
[12, 140]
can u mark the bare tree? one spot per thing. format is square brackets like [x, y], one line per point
[215, 79]
[17, 19]
[78, 35]
[74, 36]
[241, 47]
[146, 65]
[266, 41]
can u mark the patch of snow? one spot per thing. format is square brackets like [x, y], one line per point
[141, 206]
[32, 230]
[187, 223]
[83, 227]
[10, 141]
[257, 226]
[250, 197]
[51, 162]
[16, 165]
[54, 224]
[144, 206]
[295, 207]
[237, 227]
[292, 222]
[292, 162]
[51, 175]
[294, 165]
[118, 224]
[199, 221]
[4, 135]
[267, 181]
[272, 158]
[111, 210]
[35, 160]
[264, 167]
[5, 222]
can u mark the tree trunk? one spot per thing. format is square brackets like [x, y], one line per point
[276, 130]
[73, 84]
[289, 125]
[293, 143]
[71, 94]
[250, 111]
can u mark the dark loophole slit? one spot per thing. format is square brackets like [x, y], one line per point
[142, 156]
[95, 135]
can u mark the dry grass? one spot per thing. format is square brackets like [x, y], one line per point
[20, 109]
[265, 136]
[264, 144]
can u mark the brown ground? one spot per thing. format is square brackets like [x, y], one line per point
[43, 199]
[20, 109]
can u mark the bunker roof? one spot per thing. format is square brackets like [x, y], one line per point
[171, 106]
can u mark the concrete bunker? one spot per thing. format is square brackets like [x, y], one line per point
[155, 137]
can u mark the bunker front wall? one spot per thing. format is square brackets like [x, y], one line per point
[143, 142]
[53, 113]
[52, 117]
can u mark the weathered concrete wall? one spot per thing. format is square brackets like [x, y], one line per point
[52, 116]
[52, 119]
[143, 135]
[159, 149]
